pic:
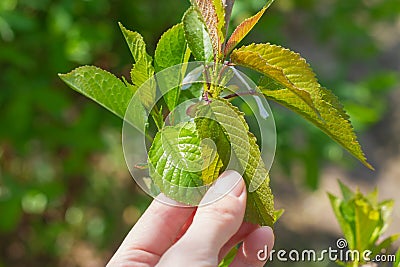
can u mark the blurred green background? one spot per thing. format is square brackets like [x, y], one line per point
[66, 196]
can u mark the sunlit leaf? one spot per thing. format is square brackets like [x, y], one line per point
[142, 69]
[345, 221]
[213, 15]
[397, 262]
[100, 86]
[221, 27]
[325, 111]
[386, 208]
[171, 50]
[246, 159]
[211, 130]
[363, 222]
[229, 257]
[384, 244]
[280, 65]
[197, 36]
[175, 162]
[346, 191]
[367, 222]
[244, 28]
[136, 44]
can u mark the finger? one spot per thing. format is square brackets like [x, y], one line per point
[213, 225]
[255, 248]
[245, 229]
[152, 235]
[185, 226]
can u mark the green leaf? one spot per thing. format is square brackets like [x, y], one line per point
[229, 257]
[397, 262]
[363, 220]
[209, 129]
[175, 162]
[142, 69]
[279, 65]
[278, 214]
[221, 23]
[346, 191]
[171, 50]
[100, 86]
[385, 244]
[244, 28]
[344, 221]
[246, 159]
[330, 116]
[141, 72]
[213, 15]
[367, 221]
[197, 36]
[136, 44]
[386, 208]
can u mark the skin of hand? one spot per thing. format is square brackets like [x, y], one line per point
[187, 236]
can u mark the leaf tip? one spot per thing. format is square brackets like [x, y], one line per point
[278, 214]
[369, 166]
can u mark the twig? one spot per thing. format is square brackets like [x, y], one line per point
[239, 94]
[228, 4]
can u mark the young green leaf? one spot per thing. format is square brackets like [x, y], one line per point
[175, 162]
[136, 44]
[277, 64]
[197, 36]
[100, 86]
[171, 50]
[346, 191]
[142, 69]
[330, 116]
[244, 28]
[229, 258]
[343, 219]
[397, 262]
[386, 208]
[363, 220]
[221, 23]
[247, 159]
[384, 244]
[213, 14]
[367, 221]
[209, 129]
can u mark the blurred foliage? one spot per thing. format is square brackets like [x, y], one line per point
[363, 221]
[66, 197]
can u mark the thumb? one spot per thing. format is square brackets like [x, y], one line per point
[213, 224]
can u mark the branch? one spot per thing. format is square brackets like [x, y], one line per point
[228, 4]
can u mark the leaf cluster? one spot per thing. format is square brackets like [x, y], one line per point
[286, 79]
[363, 220]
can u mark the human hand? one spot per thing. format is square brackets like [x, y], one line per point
[188, 236]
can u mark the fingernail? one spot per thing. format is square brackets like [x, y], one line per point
[229, 182]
